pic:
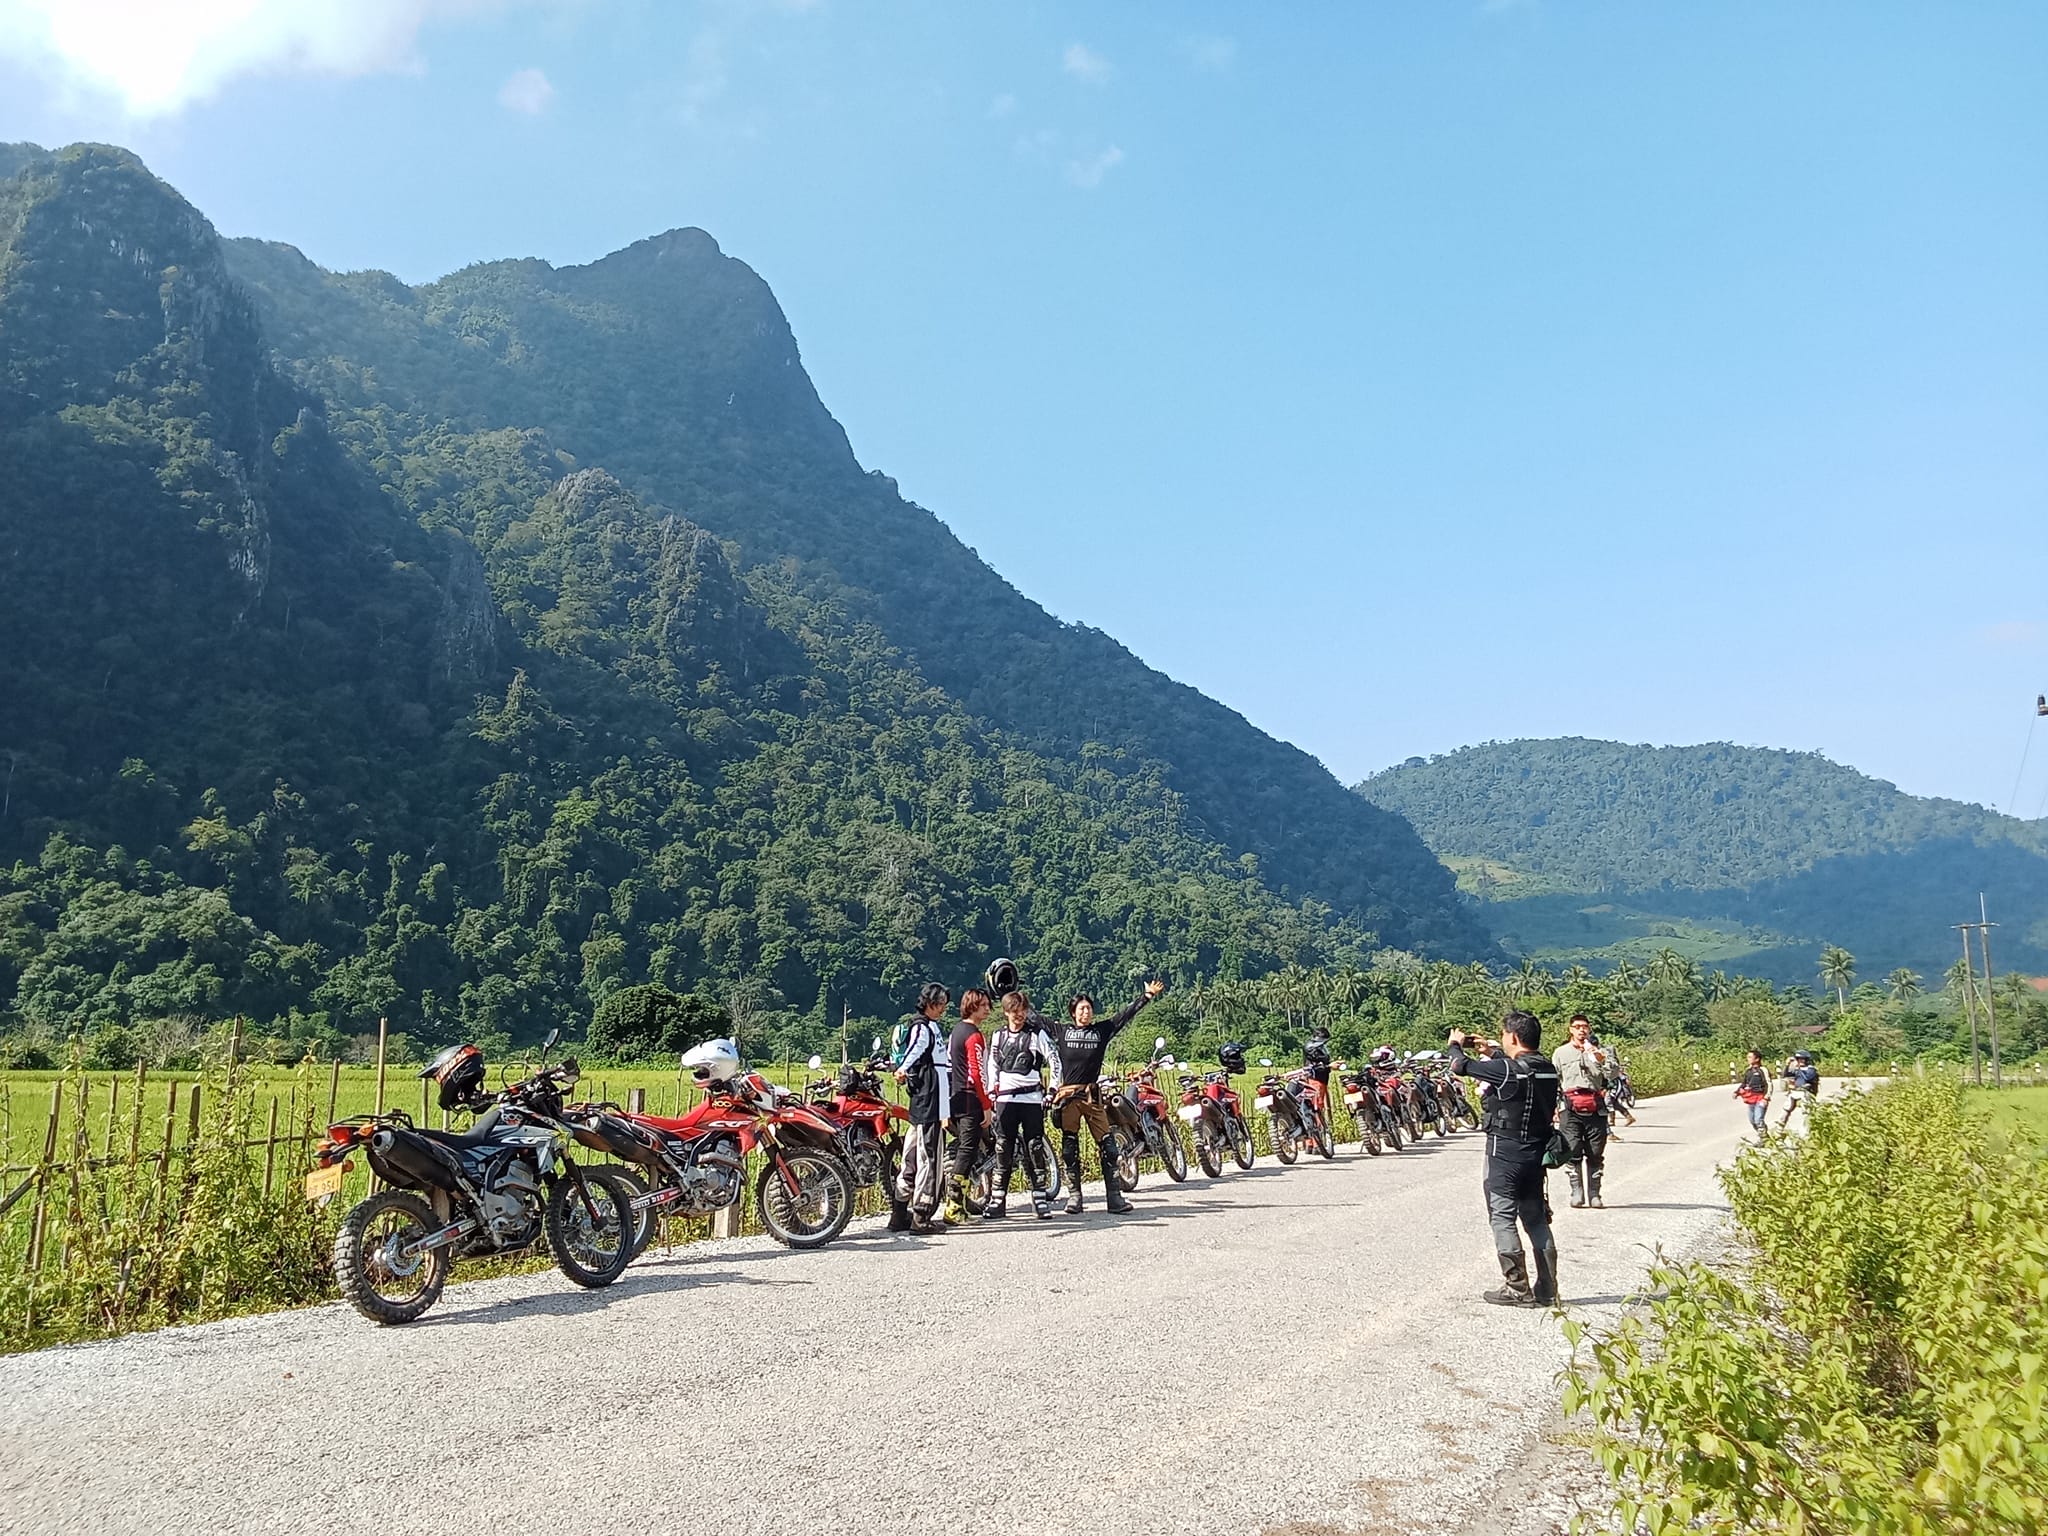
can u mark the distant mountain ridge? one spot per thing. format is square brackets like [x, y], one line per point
[1790, 846]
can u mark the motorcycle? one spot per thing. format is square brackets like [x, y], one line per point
[1212, 1107]
[696, 1163]
[499, 1188]
[1378, 1127]
[1425, 1096]
[1295, 1120]
[1137, 1113]
[867, 1126]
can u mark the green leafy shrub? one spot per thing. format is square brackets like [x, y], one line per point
[1880, 1365]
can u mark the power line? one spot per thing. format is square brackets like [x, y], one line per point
[2012, 805]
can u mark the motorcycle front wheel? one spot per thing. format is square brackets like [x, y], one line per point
[1369, 1138]
[1285, 1147]
[1173, 1152]
[1210, 1156]
[1128, 1150]
[1325, 1143]
[815, 1210]
[594, 1242]
[1051, 1174]
[1392, 1129]
[645, 1222]
[1240, 1142]
[380, 1282]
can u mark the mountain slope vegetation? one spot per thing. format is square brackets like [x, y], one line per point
[1770, 853]
[342, 686]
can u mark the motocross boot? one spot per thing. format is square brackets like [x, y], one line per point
[899, 1216]
[956, 1199]
[1112, 1196]
[1593, 1177]
[1571, 1172]
[1543, 1289]
[999, 1198]
[1516, 1292]
[1070, 1158]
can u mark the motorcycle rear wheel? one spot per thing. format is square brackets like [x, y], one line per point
[1370, 1140]
[376, 1281]
[1241, 1151]
[593, 1252]
[1210, 1156]
[816, 1211]
[1443, 1125]
[1284, 1145]
[1325, 1143]
[1173, 1152]
[1393, 1134]
[1128, 1151]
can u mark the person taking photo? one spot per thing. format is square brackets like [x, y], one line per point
[1519, 1113]
[1582, 1117]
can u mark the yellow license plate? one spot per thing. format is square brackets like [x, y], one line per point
[322, 1182]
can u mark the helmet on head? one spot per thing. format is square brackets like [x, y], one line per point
[460, 1072]
[1002, 977]
[1383, 1056]
[1805, 1056]
[1231, 1057]
[715, 1061]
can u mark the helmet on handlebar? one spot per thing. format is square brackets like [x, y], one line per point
[1232, 1057]
[715, 1061]
[1383, 1056]
[460, 1072]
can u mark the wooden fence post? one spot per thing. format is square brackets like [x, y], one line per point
[113, 1102]
[381, 1027]
[40, 1209]
[192, 1120]
[636, 1102]
[270, 1148]
[333, 1090]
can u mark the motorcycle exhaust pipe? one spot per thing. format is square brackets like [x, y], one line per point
[407, 1159]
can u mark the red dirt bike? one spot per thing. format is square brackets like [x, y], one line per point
[1373, 1110]
[866, 1126]
[1144, 1125]
[1212, 1108]
[696, 1163]
[1293, 1102]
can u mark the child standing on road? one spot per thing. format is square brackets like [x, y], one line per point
[1754, 1089]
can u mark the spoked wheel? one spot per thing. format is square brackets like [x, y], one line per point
[1128, 1150]
[1285, 1147]
[1240, 1142]
[1210, 1156]
[591, 1232]
[1173, 1152]
[981, 1187]
[812, 1205]
[1051, 1174]
[645, 1221]
[1443, 1123]
[380, 1280]
[1369, 1138]
[1325, 1142]
[1392, 1128]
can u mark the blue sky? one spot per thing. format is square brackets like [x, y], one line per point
[1404, 376]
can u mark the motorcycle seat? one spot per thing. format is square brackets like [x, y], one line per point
[473, 1137]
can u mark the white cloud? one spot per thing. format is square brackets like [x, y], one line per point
[159, 56]
[528, 91]
[1088, 170]
[1209, 52]
[1084, 63]
[1003, 105]
[2011, 634]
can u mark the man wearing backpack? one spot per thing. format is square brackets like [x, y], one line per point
[924, 1068]
[1519, 1113]
[1582, 1118]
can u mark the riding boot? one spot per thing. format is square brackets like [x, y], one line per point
[1593, 1177]
[899, 1216]
[1070, 1158]
[1112, 1196]
[1516, 1292]
[956, 1199]
[1578, 1184]
[1041, 1202]
[999, 1202]
[1544, 1289]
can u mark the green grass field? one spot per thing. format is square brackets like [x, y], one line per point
[2017, 1114]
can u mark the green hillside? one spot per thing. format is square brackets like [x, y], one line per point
[527, 635]
[1735, 855]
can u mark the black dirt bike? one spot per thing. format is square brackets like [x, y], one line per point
[499, 1188]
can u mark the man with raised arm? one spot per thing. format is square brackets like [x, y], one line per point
[1083, 1042]
[1519, 1115]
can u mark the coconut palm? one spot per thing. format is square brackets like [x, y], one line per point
[1576, 975]
[1903, 985]
[1838, 972]
[1720, 986]
[1626, 974]
[1433, 988]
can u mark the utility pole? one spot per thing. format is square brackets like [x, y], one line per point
[1984, 927]
[1970, 1000]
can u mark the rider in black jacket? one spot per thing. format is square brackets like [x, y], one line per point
[1082, 1043]
[1519, 1116]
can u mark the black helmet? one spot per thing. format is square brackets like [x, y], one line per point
[1232, 1057]
[1002, 977]
[460, 1072]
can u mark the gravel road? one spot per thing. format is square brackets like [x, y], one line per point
[1291, 1349]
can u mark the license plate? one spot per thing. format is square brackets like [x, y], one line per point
[322, 1182]
[1191, 1113]
[1354, 1098]
[1263, 1103]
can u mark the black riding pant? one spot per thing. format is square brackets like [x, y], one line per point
[967, 1140]
[1515, 1196]
[1585, 1139]
[1020, 1128]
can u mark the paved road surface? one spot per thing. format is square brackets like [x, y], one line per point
[1297, 1349]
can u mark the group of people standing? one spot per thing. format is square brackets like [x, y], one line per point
[1801, 1080]
[1002, 1084]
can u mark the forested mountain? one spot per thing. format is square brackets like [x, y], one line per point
[463, 653]
[1775, 852]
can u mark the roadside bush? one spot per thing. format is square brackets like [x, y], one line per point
[1879, 1365]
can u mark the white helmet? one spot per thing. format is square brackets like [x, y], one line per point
[1383, 1057]
[715, 1061]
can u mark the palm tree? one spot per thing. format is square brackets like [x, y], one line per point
[1666, 964]
[1904, 985]
[1576, 975]
[1720, 986]
[1433, 988]
[1838, 971]
[1626, 974]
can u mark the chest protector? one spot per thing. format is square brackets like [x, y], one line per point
[1015, 1055]
[1521, 1108]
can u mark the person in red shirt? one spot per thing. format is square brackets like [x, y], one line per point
[973, 1109]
